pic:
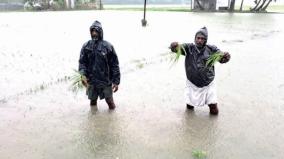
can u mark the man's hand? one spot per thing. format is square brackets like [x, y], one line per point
[114, 87]
[174, 46]
[85, 81]
[226, 57]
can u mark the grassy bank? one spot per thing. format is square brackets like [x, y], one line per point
[181, 8]
[176, 8]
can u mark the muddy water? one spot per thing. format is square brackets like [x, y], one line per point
[151, 120]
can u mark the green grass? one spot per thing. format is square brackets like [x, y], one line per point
[276, 8]
[153, 9]
[271, 8]
[183, 8]
[149, 8]
[140, 65]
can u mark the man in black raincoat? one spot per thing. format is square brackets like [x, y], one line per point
[200, 87]
[99, 63]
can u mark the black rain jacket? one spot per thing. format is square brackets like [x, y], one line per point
[195, 61]
[98, 60]
[195, 64]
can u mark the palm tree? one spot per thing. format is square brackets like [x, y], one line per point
[199, 5]
[261, 5]
[101, 4]
[232, 6]
[265, 6]
[241, 7]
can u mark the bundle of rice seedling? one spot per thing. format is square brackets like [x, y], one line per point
[176, 57]
[213, 59]
[199, 154]
[77, 81]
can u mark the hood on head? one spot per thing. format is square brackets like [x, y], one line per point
[98, 27]
[204, 32]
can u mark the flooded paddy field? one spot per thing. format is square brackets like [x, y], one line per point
[41, 118]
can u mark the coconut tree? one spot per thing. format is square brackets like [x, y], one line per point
[267, 4]
[261, 5]
[101, 4]
[241, 7]
[232, 6]
[257, 3]
[199, 5]
[205, 5]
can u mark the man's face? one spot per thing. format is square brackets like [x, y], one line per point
[200, 40]
[94, 35]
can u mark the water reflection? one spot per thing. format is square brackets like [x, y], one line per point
[93, 110]
[199, 130]
[101, 133]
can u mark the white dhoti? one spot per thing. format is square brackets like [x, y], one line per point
[196, 96]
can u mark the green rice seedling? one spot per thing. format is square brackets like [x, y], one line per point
[199, 154]
[176, 57]
[213, 59]
[140, 65]
[77, 81]
[42, 87]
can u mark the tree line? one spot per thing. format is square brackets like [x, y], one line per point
[209, 5]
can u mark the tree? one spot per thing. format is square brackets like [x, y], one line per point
[205, 5]
[232, 6]
[265, 6]
[261, 5]
[241, 7]
[256, 2]
[100, 5]
[199, 5]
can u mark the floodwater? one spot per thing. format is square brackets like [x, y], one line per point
[40, 118]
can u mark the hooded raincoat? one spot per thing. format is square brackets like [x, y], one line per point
[98, 60]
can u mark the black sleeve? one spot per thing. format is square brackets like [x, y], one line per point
[114, 66]
[83, 61]
[214, 49]
[184, 48]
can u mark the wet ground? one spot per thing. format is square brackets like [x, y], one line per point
[41, 118]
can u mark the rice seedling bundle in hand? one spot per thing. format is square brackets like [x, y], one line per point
[213, 59]
[176, 57]
[79, 81]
